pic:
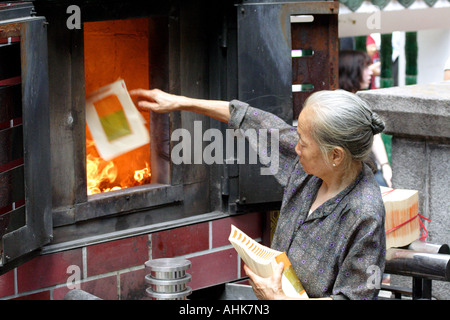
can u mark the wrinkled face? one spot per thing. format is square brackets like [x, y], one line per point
[308, 150]
[366, 77]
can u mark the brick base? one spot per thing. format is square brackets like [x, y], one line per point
[115, 270]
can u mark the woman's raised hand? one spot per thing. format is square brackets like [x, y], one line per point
[160, 101]
[156, 100]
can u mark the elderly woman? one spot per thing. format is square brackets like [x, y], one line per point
[331, 222]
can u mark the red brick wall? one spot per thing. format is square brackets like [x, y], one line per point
[115, 270]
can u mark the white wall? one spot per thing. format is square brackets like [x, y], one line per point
[394, 17]
[432, 26]
[434, 50]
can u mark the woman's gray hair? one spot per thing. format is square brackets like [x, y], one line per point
[343, 120]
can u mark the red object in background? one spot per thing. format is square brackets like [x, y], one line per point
[374, 57]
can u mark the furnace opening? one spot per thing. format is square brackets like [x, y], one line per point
[116, 49]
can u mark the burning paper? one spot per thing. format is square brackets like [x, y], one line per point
[114, 122]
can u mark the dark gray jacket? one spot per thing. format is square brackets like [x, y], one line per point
[339, 250]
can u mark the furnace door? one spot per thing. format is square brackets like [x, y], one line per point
[275, 77]
[25, 186]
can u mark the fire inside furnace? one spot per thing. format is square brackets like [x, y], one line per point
[112, 50]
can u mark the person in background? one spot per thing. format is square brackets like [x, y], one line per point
[447, 70]
[397, 46]
[355, 74]
[375, 64]
[354, 70]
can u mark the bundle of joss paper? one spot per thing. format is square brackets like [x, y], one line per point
[262, 260]
[403, 222]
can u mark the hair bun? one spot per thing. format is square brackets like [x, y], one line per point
[377, 124]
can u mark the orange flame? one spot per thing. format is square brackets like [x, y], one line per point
[140, 175]
[102, 175]
[108, 46]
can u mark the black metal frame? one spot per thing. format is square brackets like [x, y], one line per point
[37, 229]
[423, 262]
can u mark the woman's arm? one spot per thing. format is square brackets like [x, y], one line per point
[447, 75]
[263, 130]
[379, 151]
[161, 102]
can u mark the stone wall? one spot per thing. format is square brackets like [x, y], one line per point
[418, 118]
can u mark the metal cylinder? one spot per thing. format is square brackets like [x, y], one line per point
[423, 246]
[168, 268]
[434, 266]
[168, 296]
[166, 285]
[168, 279]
